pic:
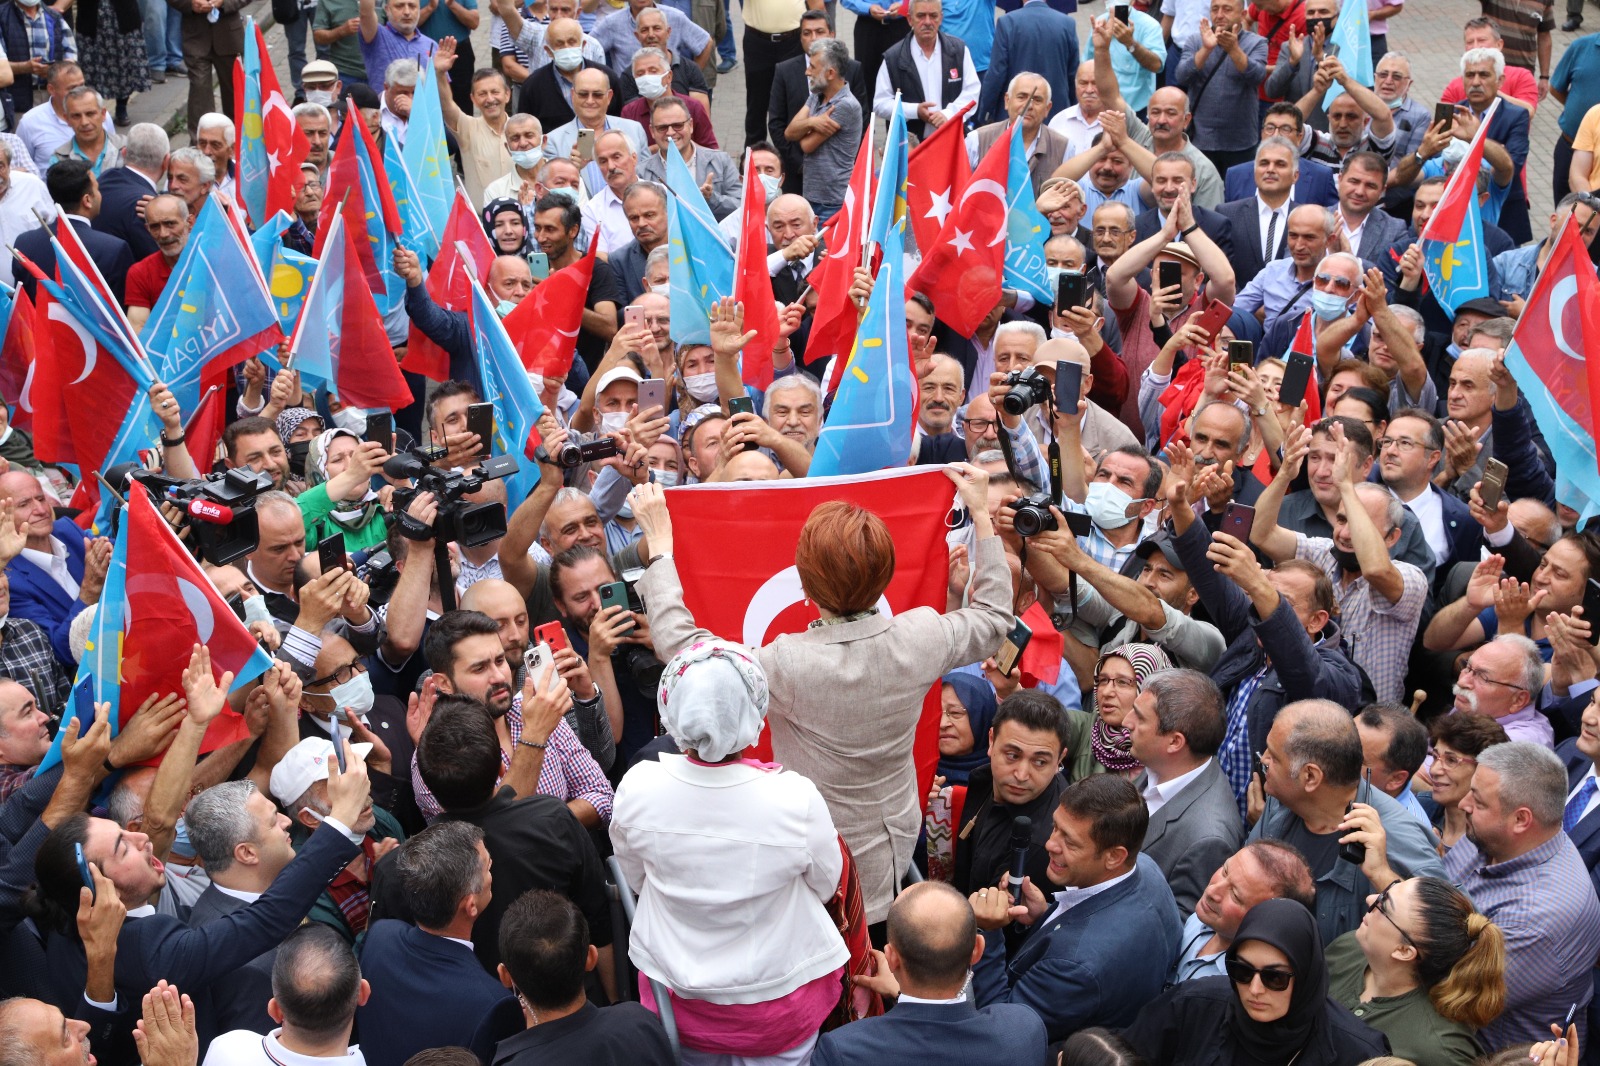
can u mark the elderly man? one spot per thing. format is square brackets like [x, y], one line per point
[592, 97]
[792, 226]
[1392, 82]
[399, 93]
[1028, 100]
[166, 219]
[1261, 870]
[1336, 285]
[484, 138]
[316, 122]
[1035, 38]
[1380, 600]
[144, 159]
[192, 175]
[520, 41]
[397, 36]
[615, 32]
[523, 144]
[1080, 123]
[1315, 795]
[827, 129]
[790, 89]
[216, 138]
[931, 70]
[1222, 69]
[673, 128]
[618, 162]
[1524, 874]
[548, 93]
[652, 75]
[1167, 129]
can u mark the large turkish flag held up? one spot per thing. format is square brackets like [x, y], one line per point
[752, 595]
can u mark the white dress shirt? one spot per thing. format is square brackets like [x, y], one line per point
[1157, 793]
[932, 74]
[1264, 213]
[1069, 897]
[604, 210]
[237, 893]
[54, 563]
[1079, 132]
[1430, 516]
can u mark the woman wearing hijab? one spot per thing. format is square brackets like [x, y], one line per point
[969, 705]
[1119, 677]
[1271, 1010]
[340, 500]
[733, 861]
[507, 228]
[1423, 968]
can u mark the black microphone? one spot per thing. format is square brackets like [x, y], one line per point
[1021, 841]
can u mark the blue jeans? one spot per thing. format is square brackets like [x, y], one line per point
[174, 48]
[725, 47]
[154, 13]
[296, 33]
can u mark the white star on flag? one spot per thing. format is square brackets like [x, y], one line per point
[940, 207]
[962, 241]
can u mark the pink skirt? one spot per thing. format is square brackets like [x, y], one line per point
[753, 1029]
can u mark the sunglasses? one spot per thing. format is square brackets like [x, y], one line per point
[1273, 980]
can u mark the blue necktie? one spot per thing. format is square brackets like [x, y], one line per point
[1578, 804]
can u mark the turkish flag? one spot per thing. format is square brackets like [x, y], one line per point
[752, 284]
[52, 436]
[753, 595]
[368, 375]
[1564, 298]
[17, 361]
[937, 172]
[834, 324]
[1305, 342]
[171, 607]
[204, 431]
[285, 143]
[544, 327]
[343, 191]
[447, 284]
[961, 273]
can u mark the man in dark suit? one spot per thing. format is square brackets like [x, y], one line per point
[1406, 467]
[213, 37]
[789, 93]
[430, 989]
[1316, 184]
[1171, 176]
[1072, 968]
[1037, 39]
[144, 160]
[75, 191]
[1260, 219]
[1361, 183]
[933, 941]
[1177, 725]
[1581, 819]
[54, 575]
[542, 96]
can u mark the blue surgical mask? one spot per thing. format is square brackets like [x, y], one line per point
[504, 308]
[1107, 505]
[529, 159]
[568, 59]
[562, 192]
[255, 609]
[772, 186]
[1328, 305]
[1053, 278]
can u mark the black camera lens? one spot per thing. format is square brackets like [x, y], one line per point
[1016, 401]
[1031, 515]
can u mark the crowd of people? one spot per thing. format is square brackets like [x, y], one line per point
[1269, 743]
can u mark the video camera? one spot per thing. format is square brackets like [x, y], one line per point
[571, 454]
[219, 509]
[467, 524]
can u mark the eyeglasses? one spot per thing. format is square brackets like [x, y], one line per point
[1342, 284]
[1450, 759]
[954, 714]
[1380, 904]
[1109, 231]
[979, 426]
[1477, 674]
[1272, 978]
[341, 675]
[1405, 444]
[1121, 684]
[671, 127]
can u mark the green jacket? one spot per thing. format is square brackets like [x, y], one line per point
[316, 510]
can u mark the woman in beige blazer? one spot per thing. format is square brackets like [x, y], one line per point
[847, 693]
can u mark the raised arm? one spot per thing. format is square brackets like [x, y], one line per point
[1265, 533]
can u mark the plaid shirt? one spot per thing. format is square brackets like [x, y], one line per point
[27, 658]
[1234, 754]
[1380, 633]
[569, 772]
[39, 40]
[13, 778]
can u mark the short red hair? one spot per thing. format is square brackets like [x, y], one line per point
[845, 557]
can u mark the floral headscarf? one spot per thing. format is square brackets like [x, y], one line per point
[713, 699]
[1112, 746]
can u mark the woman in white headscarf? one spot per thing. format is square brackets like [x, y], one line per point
[340, 499]
[733, 861]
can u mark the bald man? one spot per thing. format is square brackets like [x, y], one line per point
[933, 943]
[1312, 763]
[55, 572]
[35, 1032]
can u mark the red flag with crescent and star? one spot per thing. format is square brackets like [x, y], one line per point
[937, 172]
[544, 326]
[753, 595]
[962, 272]
[172, 606]
[833, 328]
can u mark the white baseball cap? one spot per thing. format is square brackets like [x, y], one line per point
[616, 374]
[303, 766]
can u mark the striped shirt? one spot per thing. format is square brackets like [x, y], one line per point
[568, 773]
[1545, 905]
[1519, 22]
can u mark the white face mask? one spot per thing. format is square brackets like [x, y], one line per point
[662, 290]
[613, 421]
[255, 609]
[354, 697]
[771, 186]
[352, 418]
[6, 435]
[665, 478]
[529, 159]
[701, 387]
[1107, 505]
[568, 59]
[651, 86]
[320, 96]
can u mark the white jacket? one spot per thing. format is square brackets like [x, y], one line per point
[733, 865]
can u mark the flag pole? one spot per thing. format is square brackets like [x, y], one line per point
[115, 495]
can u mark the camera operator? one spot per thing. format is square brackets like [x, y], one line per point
[395, 666]
[615, 644]
[500, 601]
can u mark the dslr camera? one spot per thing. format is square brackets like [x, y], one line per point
[467, 524]
[1031, 515]
[219, 509]
[1025, 388]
